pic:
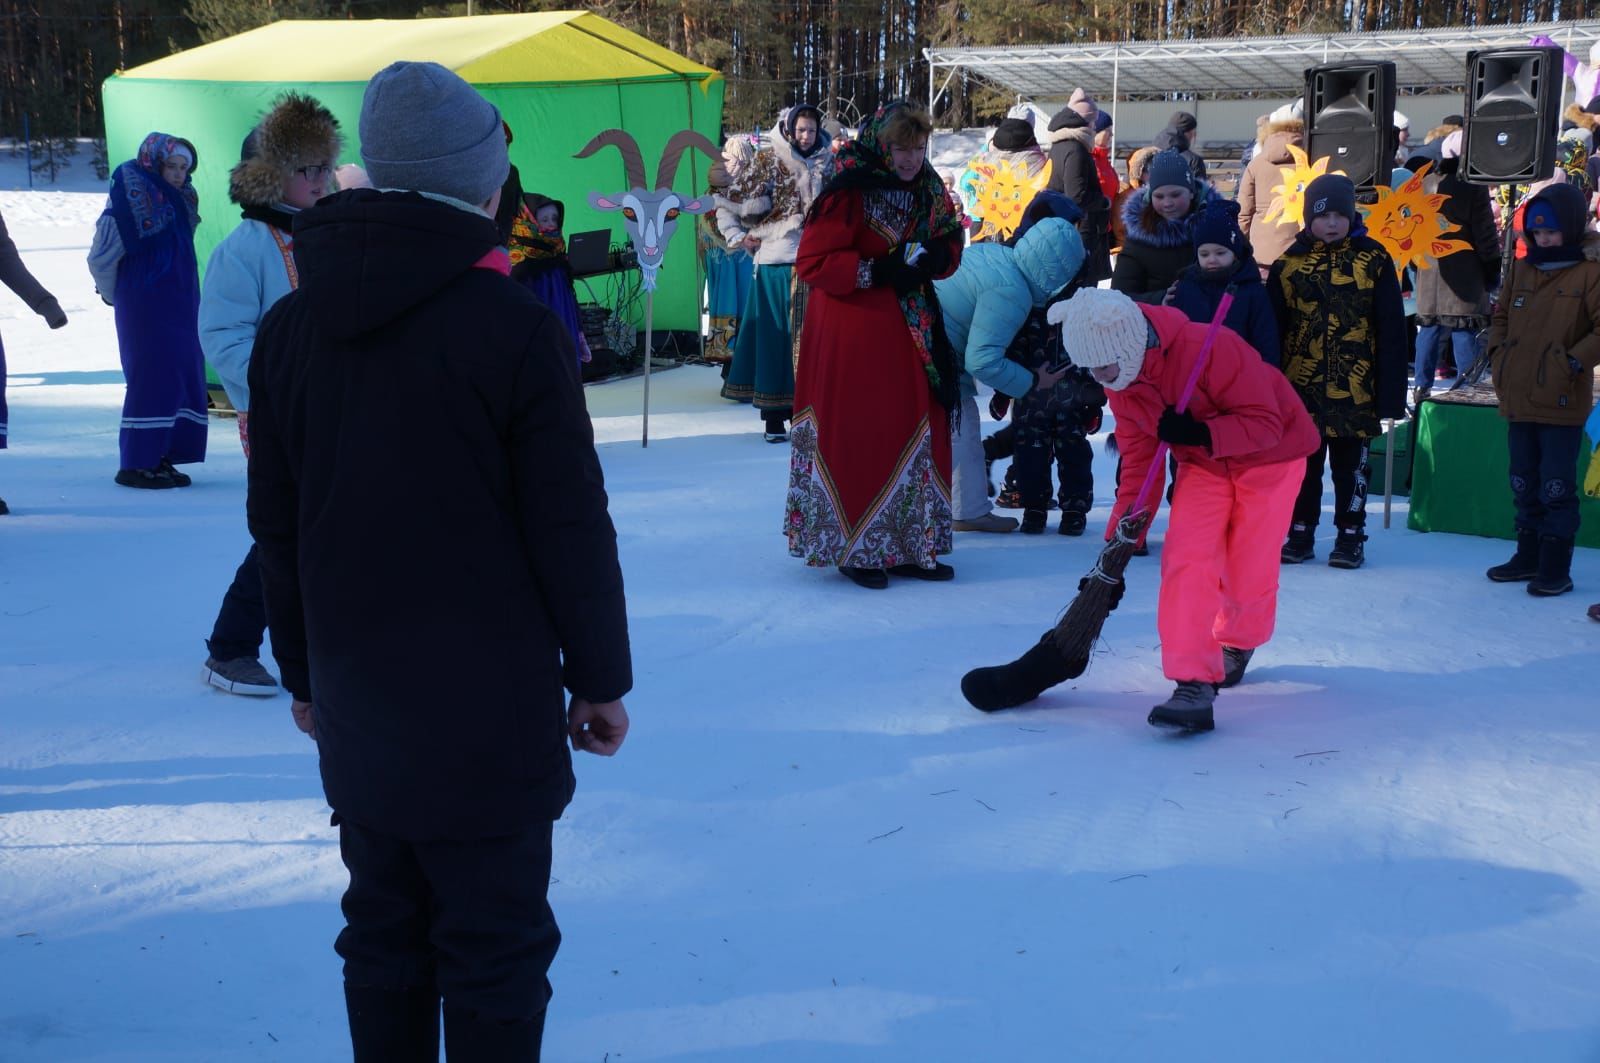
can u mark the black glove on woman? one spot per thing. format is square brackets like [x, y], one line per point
[892, 270]
[1182, 430]
[934, 260]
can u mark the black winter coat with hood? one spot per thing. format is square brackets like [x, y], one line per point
[1073, 174]
[1170, 138]
[436, 555]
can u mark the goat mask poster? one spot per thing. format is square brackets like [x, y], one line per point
[650, 214]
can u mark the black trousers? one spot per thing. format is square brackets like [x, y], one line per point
[1544, 477]
[242, 620]
[467, 922]
[1350, 472]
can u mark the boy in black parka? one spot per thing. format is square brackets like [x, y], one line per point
[432, 611]
[1338, 304]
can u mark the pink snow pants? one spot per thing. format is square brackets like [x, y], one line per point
[1219, 564]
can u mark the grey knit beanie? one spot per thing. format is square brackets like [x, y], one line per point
[424, 128]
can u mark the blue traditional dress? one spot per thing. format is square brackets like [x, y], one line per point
[156, 294]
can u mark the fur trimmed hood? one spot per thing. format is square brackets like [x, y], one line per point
[1581, 118]
[1166, 233]
[1081, 133]
[298, 131]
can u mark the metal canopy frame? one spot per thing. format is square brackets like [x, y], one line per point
[1426, 61]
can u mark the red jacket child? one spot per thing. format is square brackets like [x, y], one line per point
[1241, 447]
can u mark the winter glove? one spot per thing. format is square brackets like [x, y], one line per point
[999, 406]
[934, 260]
[1118, 588]
[1090, 418]
[1182, 430]
[891, 270]
[52, 313]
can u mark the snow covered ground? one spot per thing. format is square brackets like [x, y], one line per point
[810, 849]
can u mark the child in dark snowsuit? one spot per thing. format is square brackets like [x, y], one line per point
[1544, 344]
[1343, 332]
[1054, 422]
[1224, 258]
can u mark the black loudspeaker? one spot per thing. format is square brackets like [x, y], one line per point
[1513, 105]
[1350, 120]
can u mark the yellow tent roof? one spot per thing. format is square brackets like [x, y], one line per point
[546, 46]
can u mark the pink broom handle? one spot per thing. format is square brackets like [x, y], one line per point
[1159, 461]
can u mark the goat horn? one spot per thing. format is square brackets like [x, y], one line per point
[681, 141]
[632, 162]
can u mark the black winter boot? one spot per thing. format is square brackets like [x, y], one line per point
[1075, 515]
[1524, 564]
[1006, 686]
[4, 509]
[1555, 568]
[1301, 544]
[473, 1038]
[1234, 662]
[1033, 521]
[1188, 708]
[1347, 550]
[393, 1025]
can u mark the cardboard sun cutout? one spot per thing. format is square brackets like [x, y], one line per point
[1407, 222]
[1000, 191]
[1289, 198]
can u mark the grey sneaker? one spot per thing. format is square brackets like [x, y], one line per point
[242, 675]
[1234, 662]
[1188, 708]
[989, 522]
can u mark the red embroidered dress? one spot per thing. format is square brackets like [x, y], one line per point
[869, 469]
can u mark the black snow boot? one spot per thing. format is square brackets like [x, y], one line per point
[1234, 662]
[1524, 564]
[1075, 515]
[1005, 686]
[1033, 521]
[1301, 544]
[4, 509]
[1555, 568]
[475, 1038]
[1347, 550]
[1189, 707]
[393, 1025]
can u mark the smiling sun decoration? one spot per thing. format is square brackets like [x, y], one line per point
[1001, 191]
[1289, 198]
[1407, 222]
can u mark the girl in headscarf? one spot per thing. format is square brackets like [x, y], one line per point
[869, 472]
[143, 264]
[539, 261]
[789, 172]
[729, 270]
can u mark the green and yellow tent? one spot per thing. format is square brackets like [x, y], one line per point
[558, 77]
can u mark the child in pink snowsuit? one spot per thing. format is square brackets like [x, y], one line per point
[1240, 447]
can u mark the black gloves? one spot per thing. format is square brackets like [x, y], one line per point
[1090, 418]
[1182, 430]
[1118, 589]
[891, 270]
[999, 405]
[934, 260]
[52, 313]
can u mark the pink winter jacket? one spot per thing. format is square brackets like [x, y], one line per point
[1254, 415]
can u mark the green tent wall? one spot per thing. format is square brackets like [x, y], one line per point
[557, 77]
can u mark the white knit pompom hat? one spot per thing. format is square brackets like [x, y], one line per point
[1099, 327]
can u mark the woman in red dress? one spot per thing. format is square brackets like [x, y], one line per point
[869, 468]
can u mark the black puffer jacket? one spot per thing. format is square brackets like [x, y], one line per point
[435, 549]
[1179, 142]
[1072, 173]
